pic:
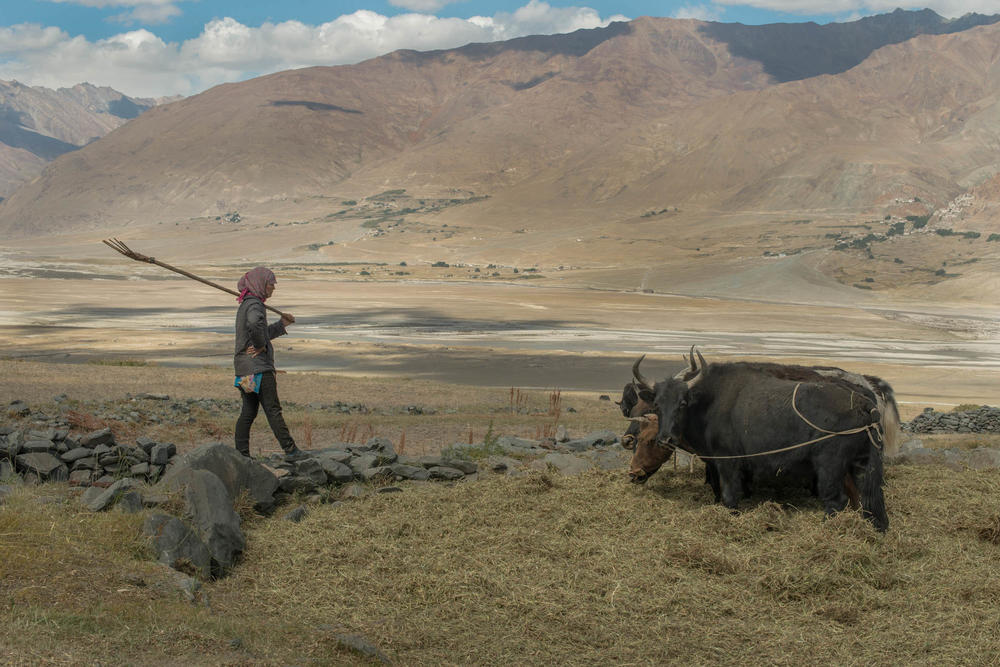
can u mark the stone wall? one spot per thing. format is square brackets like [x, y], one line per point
[984, 419]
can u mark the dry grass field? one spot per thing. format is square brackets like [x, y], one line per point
[540, 569]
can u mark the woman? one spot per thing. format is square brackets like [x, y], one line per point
[254, 361]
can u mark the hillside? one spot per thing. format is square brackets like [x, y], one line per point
[570, 149]
[39, 124]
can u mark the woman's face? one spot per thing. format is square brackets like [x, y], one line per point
[270, 290]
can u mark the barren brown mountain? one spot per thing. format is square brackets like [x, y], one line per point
[646, 144]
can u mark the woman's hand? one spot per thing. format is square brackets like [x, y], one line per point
[287, 318]
[252, 351]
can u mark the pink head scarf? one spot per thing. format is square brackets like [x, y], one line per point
[255, 282]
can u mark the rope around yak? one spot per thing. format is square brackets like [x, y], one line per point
[868, 428]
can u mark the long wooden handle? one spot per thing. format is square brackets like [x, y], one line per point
[118, 246]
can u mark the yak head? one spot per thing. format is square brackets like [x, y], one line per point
[649, 455]
[662, 429]
[634, 404]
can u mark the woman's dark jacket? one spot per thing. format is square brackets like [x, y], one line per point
[252, 327]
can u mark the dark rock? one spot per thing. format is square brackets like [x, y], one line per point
[359, 464]
[139, 470]
[403, 471]
[161, 453]
[336, 473]
[311, 469]
[212, 516]
[378, 473]
[177, 545]
[592, 440]
[101, 450]
[88, 463]
[80, 477]
[515, 445]
[236, 472]
[296, 484]
[36, 446]
[130, 502]
[334, 454]
[6, 470]
[296, 514]
[145, 444]
[388, 489]
[97, 499]
[104, 481]
[75, 454]
[44, 465]
[5, 491]
[95, 438]
[445, 473]
[109, 461]
[468, 467]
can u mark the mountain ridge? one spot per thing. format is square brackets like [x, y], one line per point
[591, 140]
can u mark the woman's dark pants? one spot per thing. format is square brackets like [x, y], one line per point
[267, 397]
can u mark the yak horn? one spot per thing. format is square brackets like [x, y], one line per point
[643, 382]
[693, 380]
[686, 374]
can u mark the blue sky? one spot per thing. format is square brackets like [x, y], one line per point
[151, 48]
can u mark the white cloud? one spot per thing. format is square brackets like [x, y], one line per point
[141, 64]
[700, 12]
[140, 11]
[947, 8]
[28, 38]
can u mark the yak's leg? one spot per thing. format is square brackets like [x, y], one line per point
[851, 489]
[830, 476]
[731, 483]
[712, 479]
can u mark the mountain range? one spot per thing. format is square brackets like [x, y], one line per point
[703, 137]
[39, 124]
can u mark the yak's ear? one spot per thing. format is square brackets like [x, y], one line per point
[646, 395]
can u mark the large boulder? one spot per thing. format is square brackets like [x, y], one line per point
[177, 546]
[210, 510]
[235, 471]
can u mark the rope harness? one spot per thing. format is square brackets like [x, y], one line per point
[874, 431]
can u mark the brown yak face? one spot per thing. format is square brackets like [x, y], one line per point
[648, 456]
[634, 404]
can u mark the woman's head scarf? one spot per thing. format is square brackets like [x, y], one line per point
[255, 282]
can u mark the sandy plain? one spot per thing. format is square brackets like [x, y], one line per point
[499, 334]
